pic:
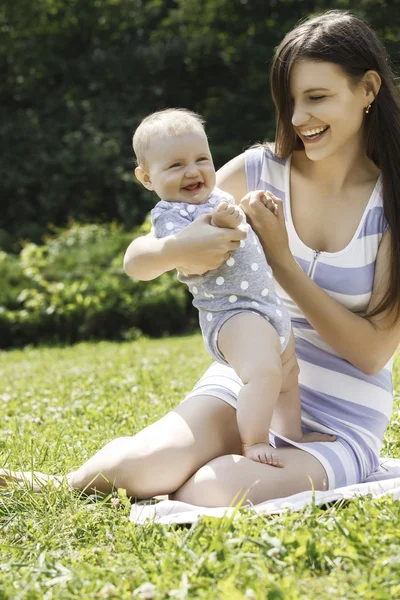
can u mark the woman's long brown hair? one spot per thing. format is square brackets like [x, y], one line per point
[347, 40]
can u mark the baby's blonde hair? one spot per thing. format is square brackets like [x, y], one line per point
[171, 121]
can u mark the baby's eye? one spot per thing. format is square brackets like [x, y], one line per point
[177, 164]
[202, 158]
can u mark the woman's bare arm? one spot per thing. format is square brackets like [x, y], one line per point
[367, 343]
[198, 248]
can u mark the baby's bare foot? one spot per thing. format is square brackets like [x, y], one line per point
[262, 453]
[226, 215]
[34, 481]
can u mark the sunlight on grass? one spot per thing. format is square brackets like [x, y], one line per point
[60, 405]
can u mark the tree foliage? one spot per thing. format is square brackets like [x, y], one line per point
[79, 75]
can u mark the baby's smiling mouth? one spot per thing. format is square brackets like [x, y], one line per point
[194, 187]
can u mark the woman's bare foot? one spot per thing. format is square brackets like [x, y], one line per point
[226, 215]
[34, 481]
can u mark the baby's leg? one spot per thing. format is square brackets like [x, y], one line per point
[287, 414]
[226, 215]
[286, 419]
[252, 347]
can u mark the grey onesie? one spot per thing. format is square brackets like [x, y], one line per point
[243, 283]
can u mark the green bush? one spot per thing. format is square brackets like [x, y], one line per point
[73, 288]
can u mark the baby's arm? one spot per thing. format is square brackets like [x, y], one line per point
[196, 249]
[152, 255]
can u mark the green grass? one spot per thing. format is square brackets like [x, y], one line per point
[58, 406]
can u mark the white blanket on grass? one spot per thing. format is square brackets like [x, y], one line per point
[383, 482]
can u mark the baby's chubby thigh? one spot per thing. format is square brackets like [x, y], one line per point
[250, 345]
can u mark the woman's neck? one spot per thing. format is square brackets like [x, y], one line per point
[339, 171]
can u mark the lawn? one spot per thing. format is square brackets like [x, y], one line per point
[59, 405]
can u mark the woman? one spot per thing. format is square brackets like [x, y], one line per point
[334, 171]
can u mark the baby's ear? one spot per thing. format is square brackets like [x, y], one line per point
[144, 178]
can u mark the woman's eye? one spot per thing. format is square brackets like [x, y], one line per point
[315, 98]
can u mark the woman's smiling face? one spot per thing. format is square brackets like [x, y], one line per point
[328, 111]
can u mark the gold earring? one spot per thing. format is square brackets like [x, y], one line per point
[367, 109]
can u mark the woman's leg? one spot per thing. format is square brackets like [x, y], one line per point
[161, 457]
[228, 479]
[158, 459]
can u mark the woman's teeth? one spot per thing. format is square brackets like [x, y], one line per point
[313, 133]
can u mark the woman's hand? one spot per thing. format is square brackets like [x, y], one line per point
[201, 247]
[264, 213]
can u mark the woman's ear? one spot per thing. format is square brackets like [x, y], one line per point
[372, 82]
[144, 178]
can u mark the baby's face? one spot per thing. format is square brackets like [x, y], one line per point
[180, 167]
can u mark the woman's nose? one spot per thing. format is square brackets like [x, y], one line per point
[299, 116]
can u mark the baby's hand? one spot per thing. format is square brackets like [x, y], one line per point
[226, 215]
[262, 453]
[269, 203]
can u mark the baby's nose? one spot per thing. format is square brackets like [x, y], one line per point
[192, 170]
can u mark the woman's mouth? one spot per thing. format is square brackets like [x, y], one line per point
[194, 187]
[314, 135]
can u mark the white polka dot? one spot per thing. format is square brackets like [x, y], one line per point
[209, 295]
[169, 226]
[269, 274]
[191, 208]
[219, 281]
[209, 316]
[254, 267]
[254, 303]
[278, 312]
[265, 292]
[242, 243]
[183, 213]
[244, 285]
[195, 290]
[259, 250]
[282, 340]
[278, 301]
[230, 262]
[212, 200]
[232, 298]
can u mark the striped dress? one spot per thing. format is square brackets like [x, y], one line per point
[336, 397]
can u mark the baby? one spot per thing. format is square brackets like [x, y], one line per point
[243, 321]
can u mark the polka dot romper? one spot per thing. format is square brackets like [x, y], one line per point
[243, 283]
